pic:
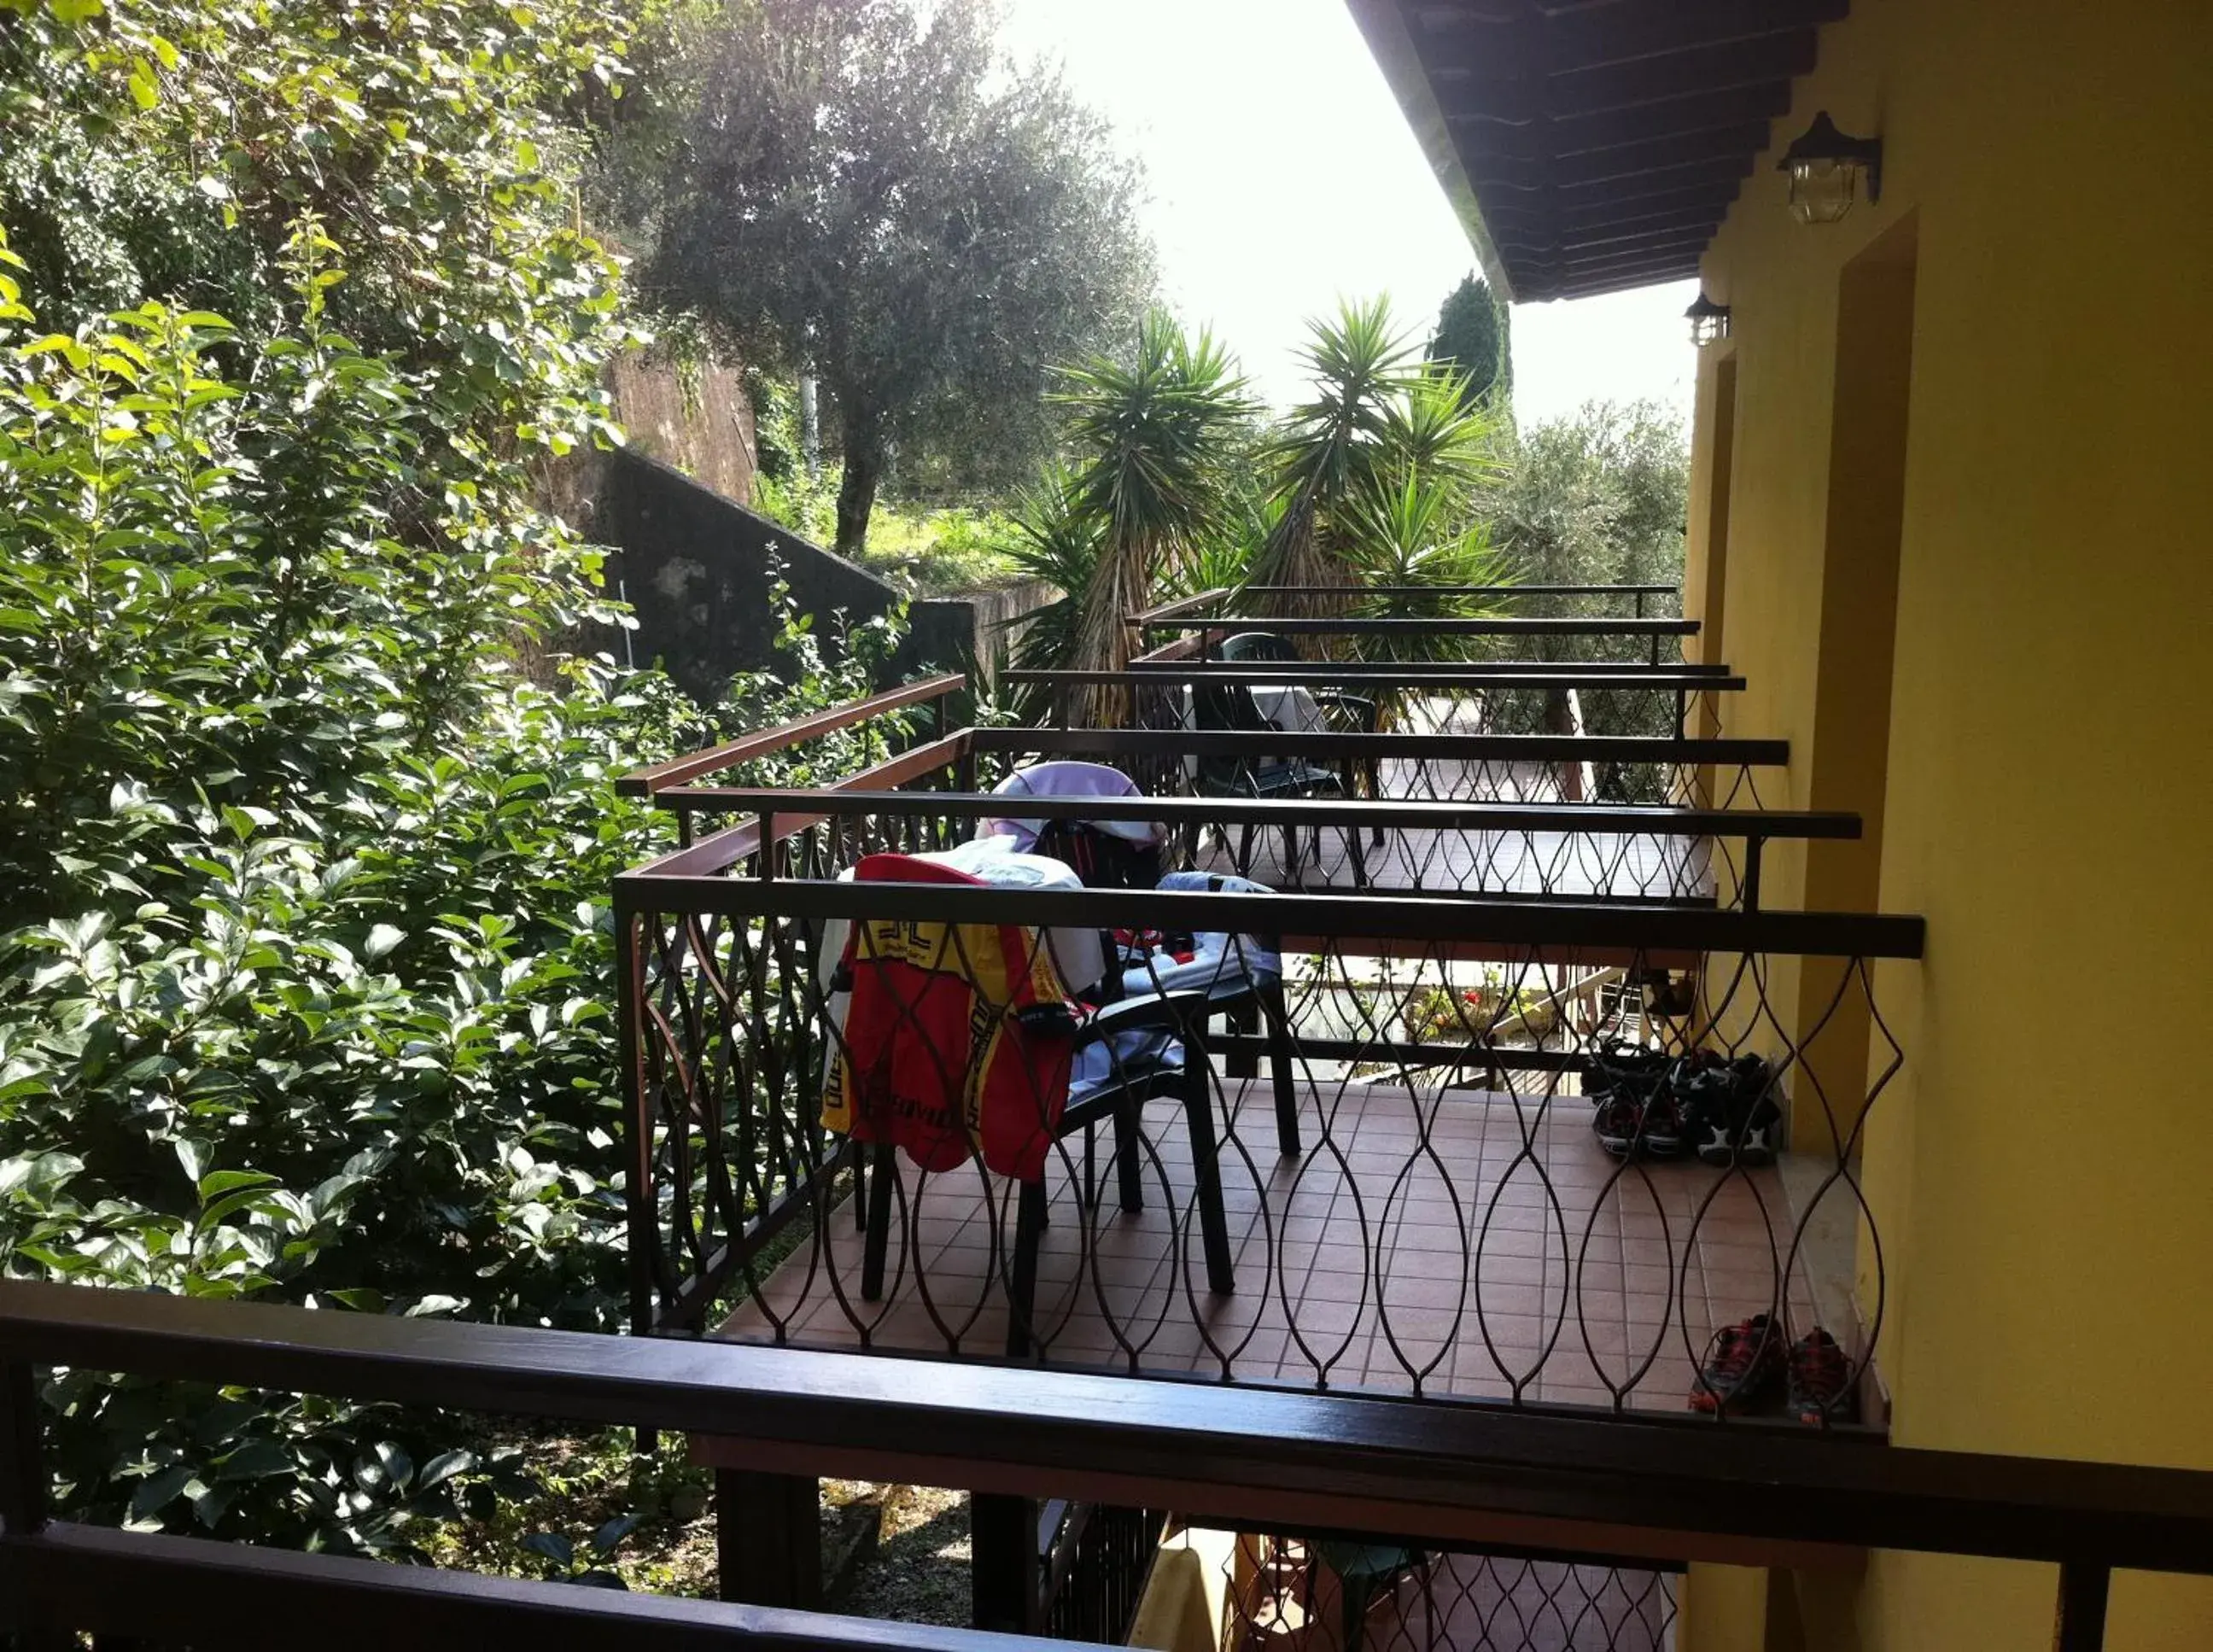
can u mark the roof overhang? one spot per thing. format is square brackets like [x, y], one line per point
[1590, 145]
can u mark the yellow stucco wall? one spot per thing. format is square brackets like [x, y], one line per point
[2042, 1175]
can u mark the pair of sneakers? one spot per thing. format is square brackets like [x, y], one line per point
[1746, 1361]
[1634, 1099]
[1728, 1111]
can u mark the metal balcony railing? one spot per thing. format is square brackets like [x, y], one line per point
[1382, 1171]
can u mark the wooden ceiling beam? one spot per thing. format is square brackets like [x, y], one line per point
[1608, 278]
[1545, 232]
[1575, 259]
[1629, 237]
[1571, 134]
[1598, 37]
[1526, 95]
[1620, 180]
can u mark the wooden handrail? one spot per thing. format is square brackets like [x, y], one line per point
[1461, 590]
[1478, 926]
[167, 1591]
[1411, 677]
[1208, 1450]
[660, 777]
[1472, 748]
[1667, 820]
[1181, 605]
[732, 844]
[1443, 625]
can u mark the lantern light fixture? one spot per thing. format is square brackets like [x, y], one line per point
[1710, 322]
[1827, 168]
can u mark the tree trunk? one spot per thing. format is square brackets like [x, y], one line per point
[856, 482]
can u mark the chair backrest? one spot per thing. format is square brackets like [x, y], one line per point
[1227, 707]
[1258, 645]
[1104, 854]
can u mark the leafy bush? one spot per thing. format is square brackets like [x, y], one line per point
[304, 989]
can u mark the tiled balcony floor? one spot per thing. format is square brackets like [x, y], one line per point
[1413, 1247]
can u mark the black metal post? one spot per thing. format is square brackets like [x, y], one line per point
[1002, 1566]
[2079, 1625]
[1751, 848]
[23, 1495]
[22, 1466]
[768, 1539]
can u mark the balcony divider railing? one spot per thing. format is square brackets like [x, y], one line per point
[938, 693]
[1211, 633]
[1488, 1477]
[1403, 1091]
[1260, 603]
[1467, 698]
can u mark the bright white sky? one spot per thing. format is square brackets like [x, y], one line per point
[1282, 175]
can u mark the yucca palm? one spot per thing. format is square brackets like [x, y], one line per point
[1412, 530]
[1336, 446]
[1151, 437]
[1058, 545]
[1440, 432]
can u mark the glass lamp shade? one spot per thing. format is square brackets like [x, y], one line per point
[1710, 322]
[1822, 190]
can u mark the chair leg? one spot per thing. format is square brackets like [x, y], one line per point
[1244, 862]
[1206, 1169]
[1358, 857]
[877, 1239]
[1283, 1067]
[1292, 857]
[1128, 1160]
[1022, 1296]
[1090, 1170]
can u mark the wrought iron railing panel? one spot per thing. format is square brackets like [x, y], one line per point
[1310, 1593]
[1385, 1172]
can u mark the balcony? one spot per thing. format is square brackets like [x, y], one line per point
[1346, 1321]
[1381, 1178]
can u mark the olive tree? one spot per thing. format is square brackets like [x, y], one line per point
[873, 196]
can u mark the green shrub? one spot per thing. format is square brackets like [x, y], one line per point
[305, 972]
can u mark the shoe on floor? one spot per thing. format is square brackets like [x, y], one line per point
[1741, 1365]
[1729, 1112]
[1617, 1065]
[1821, 1390]
[1630, 1118]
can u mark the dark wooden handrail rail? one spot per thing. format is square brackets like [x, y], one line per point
[1566, 676]
[1726, 753]
[1302, 922]
[1181, 604]
[1389, 671]
[1461, 590]
[1417, 814]
[659, 777]
[1202, 1447]
[167, 1591]
[1442, 625]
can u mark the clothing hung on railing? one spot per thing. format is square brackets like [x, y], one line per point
[956, 1038]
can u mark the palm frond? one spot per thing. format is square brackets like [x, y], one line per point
[1154, 435]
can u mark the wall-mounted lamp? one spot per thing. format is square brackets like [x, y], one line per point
[1710, 322]
[1825, 168]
